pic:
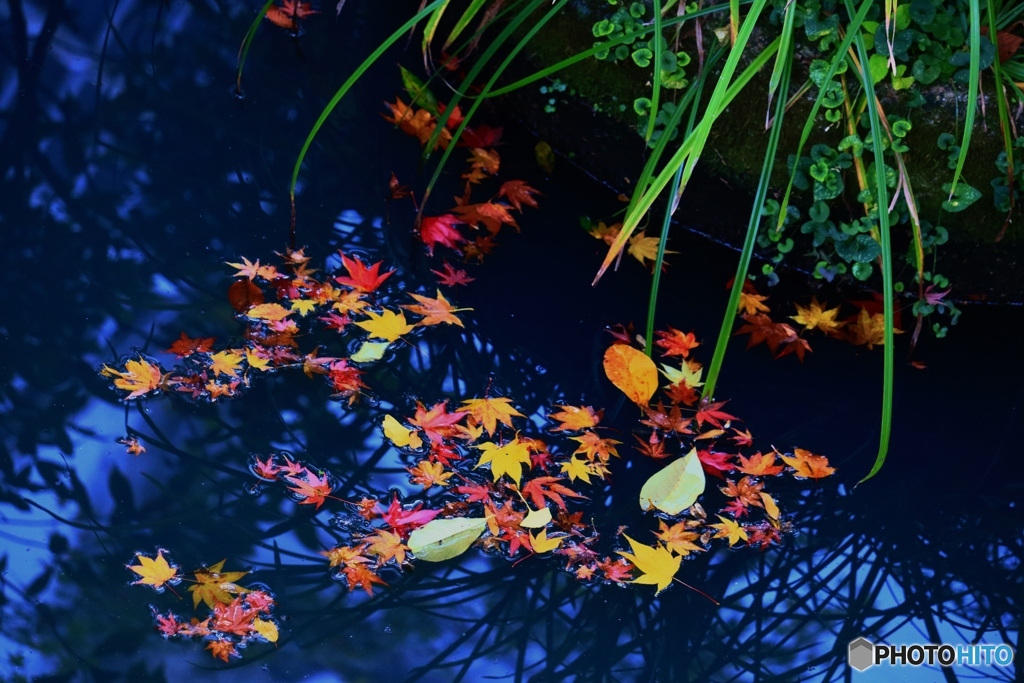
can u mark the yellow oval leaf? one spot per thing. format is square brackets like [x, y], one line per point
[266, 628]
[632, 372]
[443, 539]
[676, 487]
[400, 435]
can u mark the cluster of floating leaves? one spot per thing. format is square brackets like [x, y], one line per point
[487, 481]
[237, 616]
[347, 304]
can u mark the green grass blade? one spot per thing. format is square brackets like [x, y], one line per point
[428, 32]
[243, 51]
[734, 20]
[691, 103]
[750, 241]
[346, 86]
[851, 32]
[883, 227]
[463, 22]
[689, 151]
[972, 90]
[787, 39]
[652, 304]
[1004, 115]
[655, 43]
[508, 31]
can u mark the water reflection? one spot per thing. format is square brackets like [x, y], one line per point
[129, 176]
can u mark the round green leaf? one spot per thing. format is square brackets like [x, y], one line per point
[443, 539]
[676, 487]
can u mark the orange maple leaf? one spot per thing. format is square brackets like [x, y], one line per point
[139, 377]
[289, 14]
[435, 311]
[759, 464]
[808, 465]
[517, 192]
[572, 418]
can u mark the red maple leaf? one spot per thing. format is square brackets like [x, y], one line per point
[403, 521]
[518, 193]
[436, 422]
[440, 230]
[481, 136]
[333, 321]
[715, 463]
[676, 343]
[361, 277]
[312, 490]
[476, 493]
[185, 346]
[710, 413]
[289, 13]
[449, 277]
[539, 488]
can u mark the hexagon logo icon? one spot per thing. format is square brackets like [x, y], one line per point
[861, 654]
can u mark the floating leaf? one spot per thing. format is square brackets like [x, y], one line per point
[676, 487]
[632, 372]
[536, 519]
[400, 435]
[369, 352]
[443, 539]
[266, 628]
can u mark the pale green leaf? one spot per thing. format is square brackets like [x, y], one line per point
[443, 539]
[676, 487]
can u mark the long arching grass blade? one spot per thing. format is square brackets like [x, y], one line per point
[749, 242]
[972, 91]
[689, 151]
[429, 29]
[883, 226]
[243, 50]
[691, 102]
[788, 23]
[1004, 116]
[463, 21]
[360, 70]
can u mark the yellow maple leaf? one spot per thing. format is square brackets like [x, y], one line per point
[214, 586]
[226, 363]
[573, 418]
[657, 564]
[252, 270]
[303, 306]
[689, 374]
[400, 435]
[577, 468]
[815, 316]
[644, 248]
[349, 301]
[750, 303]
[868, 330]
[508, 459]
[387, 325]
[155, 572]
[386, 546]
[490, 411]
[729, 529]
[256, 361]
[435, 311]
[542, 544]
[139, 377]
[428, 474]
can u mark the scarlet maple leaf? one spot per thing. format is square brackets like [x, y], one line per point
[313, 490]
[618, 571]
[711, 414]
[186, 346]
[539, 488]
[441, 230]
[715, 463]
[476, 493]
[289, 14]
[345, 380]
[437, 423]
[449, 277]
[517, 192]
[361, 277]
[481, 136]
[403, 521]
[653, 447]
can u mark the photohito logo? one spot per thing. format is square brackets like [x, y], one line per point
[863, 654]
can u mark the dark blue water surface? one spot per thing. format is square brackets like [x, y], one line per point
[129, 173]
